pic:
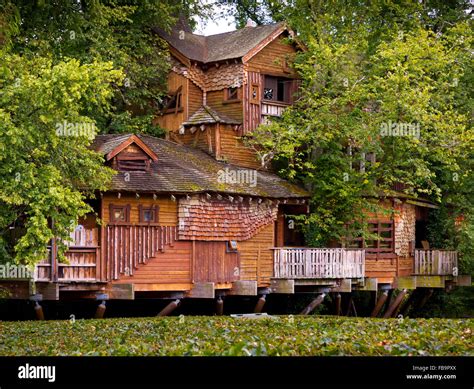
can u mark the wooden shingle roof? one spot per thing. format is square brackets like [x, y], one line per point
[184, 170]
[219, 47]
[207, 115]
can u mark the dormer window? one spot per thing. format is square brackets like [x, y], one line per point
[132, 155]
[232, 94]
[173, 102]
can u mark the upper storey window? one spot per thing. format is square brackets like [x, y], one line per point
[232, 94]
[277, 89]
[173, 102]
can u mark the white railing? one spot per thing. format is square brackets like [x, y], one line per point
[297, 263]
[435, 262]
[273, 109]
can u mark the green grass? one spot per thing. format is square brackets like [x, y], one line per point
[284, 335]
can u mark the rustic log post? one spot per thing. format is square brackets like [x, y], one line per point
[169, 308]
[380, 304]
[337, 302]
[99, 313]
[353, 307]
[39, 311]
[260, 303]
[313, 305]
[219, 306]
[398, 300]
[388, 302]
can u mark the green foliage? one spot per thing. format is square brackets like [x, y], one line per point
[47, 175]
[368, 66]
[224, 336]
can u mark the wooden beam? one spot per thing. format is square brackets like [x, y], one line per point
[429, 281]
[243, 288]
[369, 284]
[121, 291]
[345, 286]
[99, 313]
[313, 304]
[463, 280]
[389, 301]
[380, 303]
[283, 286]
[49, 290]
[203, 290]
[392, 308]
[405, 282]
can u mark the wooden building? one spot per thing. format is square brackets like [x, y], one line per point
[195, 215]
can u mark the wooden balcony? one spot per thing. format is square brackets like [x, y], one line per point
[435, 262]
[82, 257]
[272, 108]
[318, 263]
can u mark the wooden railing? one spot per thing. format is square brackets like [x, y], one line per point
[273, 108]
[131, 245]
[81, 259]
[435, 262]
[298, 263]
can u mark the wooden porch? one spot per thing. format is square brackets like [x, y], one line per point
[318, 263]
[129, 246]
[435, 262]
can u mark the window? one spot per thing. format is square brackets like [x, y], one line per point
[231, 246]
[255, 94]
[119, 213]
[173, 102]
[384, 243]
[277, 89]
[232, 94]
[148, 214]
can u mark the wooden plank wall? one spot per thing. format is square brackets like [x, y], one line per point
[271, 59]
[252, 111]
[213, 264]
[216, 100]
[172, 121]
[168, 213]
[256, 256]
[194, 98]
[234, 150]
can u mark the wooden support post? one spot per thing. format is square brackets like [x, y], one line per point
[380, 304]
[425, 298]
[389, 301]
[169, 308]
[406, 307]
[260, 303]
[337, 302]
[313, 305]
[39, 311]
[219, 306]
[99, 313]
[398, 300]
[353, 307]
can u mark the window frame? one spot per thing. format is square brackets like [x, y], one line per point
[227, 95]
[126, 210]
[174, 96]
[154, 209]
[378, 229]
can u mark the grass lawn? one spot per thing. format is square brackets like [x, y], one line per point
[281, 335]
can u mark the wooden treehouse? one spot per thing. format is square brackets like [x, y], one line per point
[196, 216]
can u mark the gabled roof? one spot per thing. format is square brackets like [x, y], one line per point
[185, 170]
[220, 47]
[207, 115]
[122, 142]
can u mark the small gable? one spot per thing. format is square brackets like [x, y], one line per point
[131, 155]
